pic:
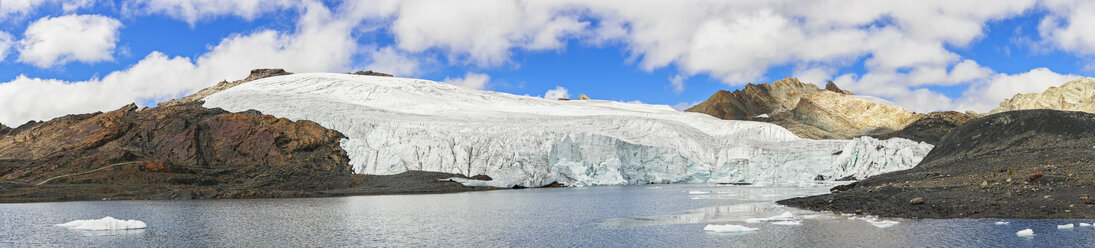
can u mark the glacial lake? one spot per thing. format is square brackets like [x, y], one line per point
[612, 216]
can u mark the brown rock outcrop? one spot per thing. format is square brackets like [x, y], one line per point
[583, 97]
[372, 73]
[178, 146]
[830, 86]
[256, 74]
[4, 129]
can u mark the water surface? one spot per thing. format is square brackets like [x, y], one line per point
[624, 216]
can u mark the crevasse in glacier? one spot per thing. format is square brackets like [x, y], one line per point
[399, 124]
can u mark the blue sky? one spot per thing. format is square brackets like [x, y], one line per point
[924, 55]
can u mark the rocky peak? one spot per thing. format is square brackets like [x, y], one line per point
[1076, 95]
[256, 74]
[4, 129]
[755, 99]
[583, 97]
[372, 73]
[807, 110]
[830, 86]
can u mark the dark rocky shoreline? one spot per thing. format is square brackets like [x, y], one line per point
[411, 182]
[1017, 164]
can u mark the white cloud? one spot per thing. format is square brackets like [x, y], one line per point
[556, 93]
[193, 11]
[17, 7]
[73, 5]
[963, 72]
[320, 43]
[21, 8]
[390, 60]
[480, 32]
[51, 41]
[6, 42]
[987, 95]
[677, 82]
[471, 80]
[1070, 25]
[815, 75]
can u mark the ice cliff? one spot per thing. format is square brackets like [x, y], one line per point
[399, 124]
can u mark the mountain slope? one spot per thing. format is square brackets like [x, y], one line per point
[398, 124]
[808, 111]
[1076, 95]
[986, 169]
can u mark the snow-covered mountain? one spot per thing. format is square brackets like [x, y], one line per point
[399, 124]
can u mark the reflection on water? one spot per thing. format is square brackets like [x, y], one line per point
[646, 215]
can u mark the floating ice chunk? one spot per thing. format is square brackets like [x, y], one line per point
[763, 116]
[106, 223]
[1085, 224]
[873, 220]
[1025, 233]
[786, 216]
[1065, 226]
[728, 228]
[788, 223]
[693, 192]
[1000, 223]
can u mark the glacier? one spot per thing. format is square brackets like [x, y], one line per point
[398, 124]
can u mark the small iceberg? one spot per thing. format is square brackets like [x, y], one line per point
[788, 223]
[873, 220]
[728, 228]
[1065, 226]
[104, 224]
[1085, 224]
[1025, 233]
[1001, 223]
[786, 216]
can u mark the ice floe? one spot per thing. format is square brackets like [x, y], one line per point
[1000, 223]
[1065, 226]
[1025, 233]
[788, 223]
[729, 228]
[873, 220]
[1085, 224]
[104, 224]
[786, 216]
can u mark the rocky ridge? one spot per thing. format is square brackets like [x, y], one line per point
[1015, 164]
[1076, 95]
[256, 74]
[808, 111]
[931, 127]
